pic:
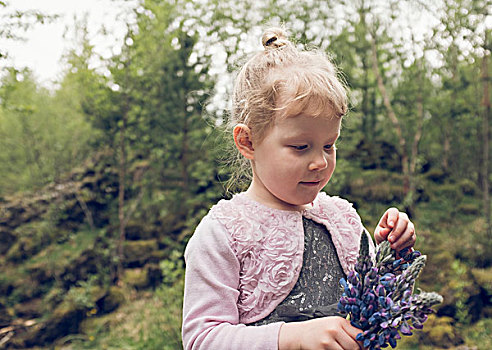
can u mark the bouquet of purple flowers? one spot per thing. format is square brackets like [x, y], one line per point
[379, 295]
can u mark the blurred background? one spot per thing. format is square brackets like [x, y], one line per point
[109, 159]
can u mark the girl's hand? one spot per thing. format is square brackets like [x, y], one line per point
[397, 228]
[334, 333]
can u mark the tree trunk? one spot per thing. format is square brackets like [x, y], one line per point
[416, 140]
[392, 116]
[184, 152]
[485, 139]
[121, 191]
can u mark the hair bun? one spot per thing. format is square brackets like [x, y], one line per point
[274, 38]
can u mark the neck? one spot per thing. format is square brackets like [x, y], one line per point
[266, 199]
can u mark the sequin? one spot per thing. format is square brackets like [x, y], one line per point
[320, 263]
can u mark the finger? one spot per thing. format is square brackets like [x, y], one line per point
[399, 229]
[389, 218]
[346, 346]
[349, 337]
[393, 215]
[335, 345]
[381, 234]
[344, 341]
[407, 239]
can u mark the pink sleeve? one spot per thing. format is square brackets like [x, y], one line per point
[210, 313]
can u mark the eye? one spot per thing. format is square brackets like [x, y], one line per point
[330, 147]
[299, 147]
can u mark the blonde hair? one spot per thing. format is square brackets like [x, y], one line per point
[283, 78]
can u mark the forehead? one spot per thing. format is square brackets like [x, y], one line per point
[310, 88]
[312, 105]
[304, 125]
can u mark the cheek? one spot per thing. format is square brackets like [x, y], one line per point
[331, 167]
[281, 171]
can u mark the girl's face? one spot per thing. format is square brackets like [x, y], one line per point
[294, 160]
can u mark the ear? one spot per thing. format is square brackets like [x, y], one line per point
[243, 140]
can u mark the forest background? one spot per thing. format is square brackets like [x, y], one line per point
[104, 178]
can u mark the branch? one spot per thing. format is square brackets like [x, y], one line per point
[85, 209]
[384, 93]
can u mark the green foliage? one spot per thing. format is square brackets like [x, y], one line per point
[152, 321]
[39, 139]
[438, 333]
[84, 294]
[172, 268]
[479, 334]
[145, 118]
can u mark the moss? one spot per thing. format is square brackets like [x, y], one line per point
[57, 257]
[64, 320]
[439, 332]
[436, 175]
[52, 298]
[149, 276]
[7, 239]
[378, 186]
[23, 248]
[84, 296]
[449, 191]
[112, 300]
[468, 187]
[139, 230]
[6, 284]
[479, 334]
[483, 278]
[93, 325]
[468, 208]
[148, 321]
[136, 277]
[137, 253]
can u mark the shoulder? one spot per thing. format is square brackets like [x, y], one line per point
[344, 224]
[209, 236]
[334, 205]
[324, 198]
[225, 224]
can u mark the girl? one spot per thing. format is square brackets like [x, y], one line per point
[263, 266]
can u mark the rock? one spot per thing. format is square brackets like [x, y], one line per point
[440, 331]
[112, 300]
[30, 309]
[5, 317]
[64, 320]
[139, 231]
[471, 209]
[79, 269]
[138, 253]
[483, 277]
[148, 277]
[136, 278]
[7, 239]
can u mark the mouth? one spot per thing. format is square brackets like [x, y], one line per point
[310, 183]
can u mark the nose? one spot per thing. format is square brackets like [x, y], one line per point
[318, 162]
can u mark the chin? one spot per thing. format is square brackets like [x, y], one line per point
[306, 201]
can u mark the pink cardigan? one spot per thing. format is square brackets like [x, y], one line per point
[244, 259]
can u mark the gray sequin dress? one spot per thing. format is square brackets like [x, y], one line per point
[317, 290]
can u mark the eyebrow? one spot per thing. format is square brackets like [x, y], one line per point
[301, 135]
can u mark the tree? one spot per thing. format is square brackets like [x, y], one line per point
[485, 77]
[149, 111]
[40, 139]
[17, 21]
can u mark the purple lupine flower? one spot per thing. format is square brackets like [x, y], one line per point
[378, 296]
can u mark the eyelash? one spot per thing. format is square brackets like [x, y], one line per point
[303, 147]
